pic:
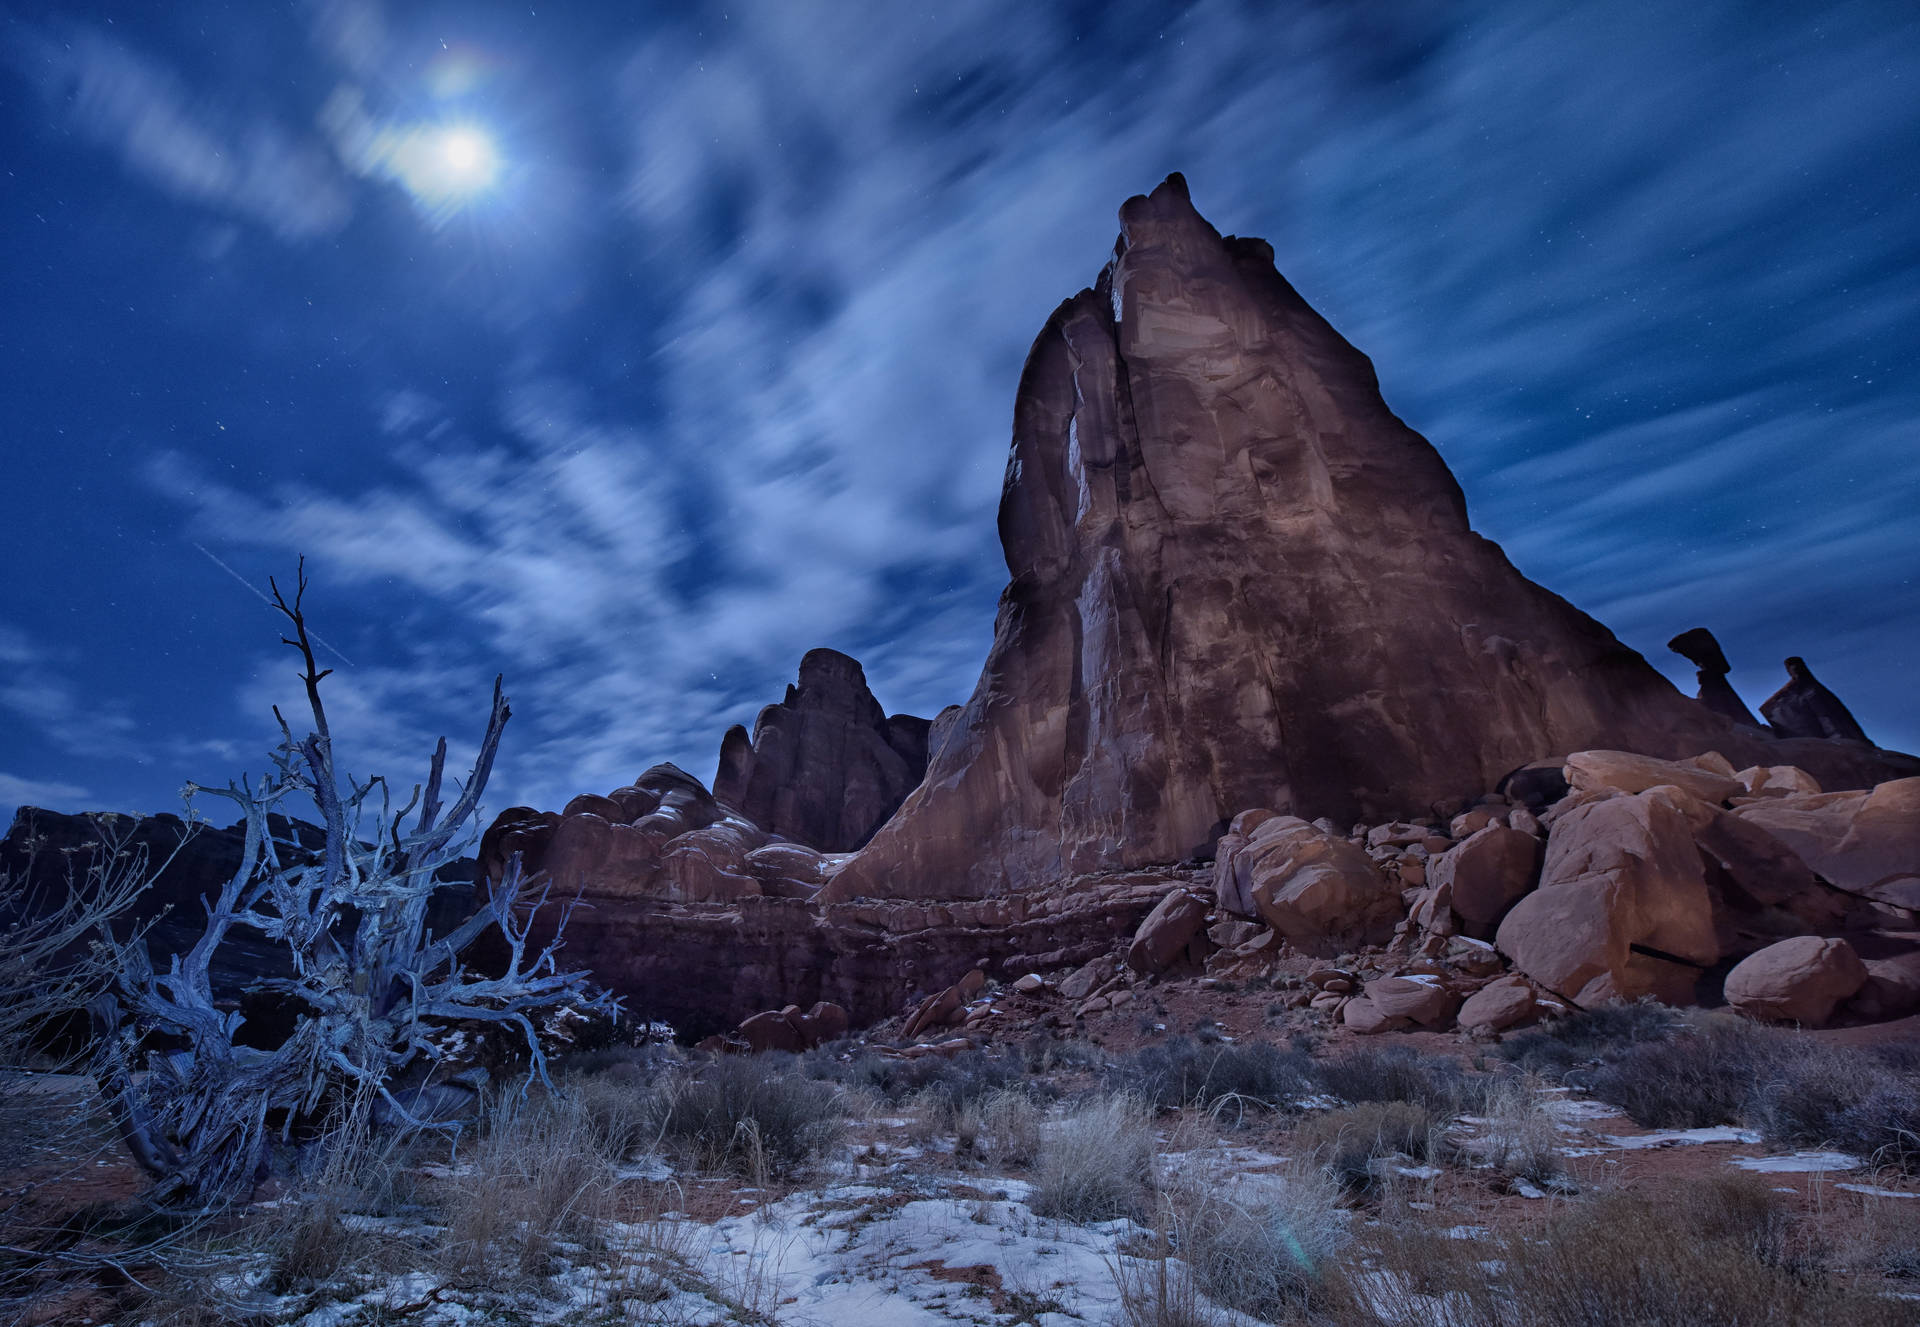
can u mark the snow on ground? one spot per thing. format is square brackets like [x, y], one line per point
[1798, 1163]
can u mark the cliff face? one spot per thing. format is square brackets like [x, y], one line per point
[1238, 580]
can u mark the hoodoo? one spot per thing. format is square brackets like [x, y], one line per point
[1239, 580]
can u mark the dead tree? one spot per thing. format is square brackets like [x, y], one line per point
[373, 991]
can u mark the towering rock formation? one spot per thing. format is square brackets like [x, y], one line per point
[1238, 580]
[826, 766]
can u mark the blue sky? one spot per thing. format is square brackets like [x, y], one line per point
[719, 365]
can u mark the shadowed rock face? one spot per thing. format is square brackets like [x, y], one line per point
[1805, 708]
[826, 766]
[1238, 580]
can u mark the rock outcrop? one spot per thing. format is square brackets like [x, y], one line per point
[826, 766]
[1238, 580]
[1805, 708]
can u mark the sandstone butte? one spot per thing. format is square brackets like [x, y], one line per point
[1238, 580]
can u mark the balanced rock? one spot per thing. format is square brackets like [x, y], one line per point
[826, 766]
[1800, 980]
[1805, 708]
[1700, 648]
[1622, 909]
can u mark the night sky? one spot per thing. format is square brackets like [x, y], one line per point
[632, 350]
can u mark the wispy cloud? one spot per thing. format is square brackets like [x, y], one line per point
[1630, 287]
[47, 794]
[184, 141]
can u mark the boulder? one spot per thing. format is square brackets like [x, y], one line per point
[1365, 1017]
[1630, 773]
[1081, 982]
[1486, 874]
[1622, 909]
[945, 1007]
[1506, 1002]
[1164, 937]
[1427, 1002]
[824, 1022]
[1867, 843]
[1776, 780]
[1319, 891]
[1800, 980]
[826, 766]
[1805, 708]
[774, 1030]
[1891, 990]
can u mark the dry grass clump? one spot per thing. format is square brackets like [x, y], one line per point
[1522, 1138]
[1266, 1252]
[1400, 1073]
[1004, 1128]
[537, 1175]
[749, 1115]
[1186, 1072]
[1722, 1254]
[1353, 1143]
[941, 1084]
[1096, 1162]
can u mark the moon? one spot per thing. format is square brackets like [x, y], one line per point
[445, 166]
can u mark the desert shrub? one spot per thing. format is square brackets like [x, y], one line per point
[1184, 1072]
[618, 1109]
[1793, 1088]
[943, 1085]
[1400, 1073]
[1589, 1034]
[1350, 1142]
[1703, 1077]
[1155, 1289]
[1096, 1162]
[1044, 1054]
[1267, 1255]
[1711, 1257]
[749, 1114]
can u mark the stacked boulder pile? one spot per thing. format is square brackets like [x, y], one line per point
[1685, 881]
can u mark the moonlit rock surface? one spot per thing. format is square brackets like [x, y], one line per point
[1238, 580]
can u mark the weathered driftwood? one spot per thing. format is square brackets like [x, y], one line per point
[372, 989]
